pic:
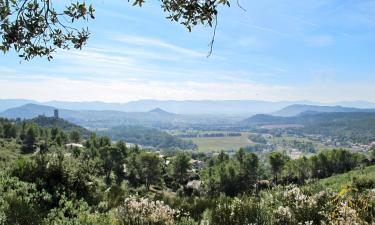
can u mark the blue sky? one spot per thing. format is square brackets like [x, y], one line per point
[319, 50]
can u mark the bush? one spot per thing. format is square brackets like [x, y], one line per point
[142, 211]
[238, 211]
[362, 183]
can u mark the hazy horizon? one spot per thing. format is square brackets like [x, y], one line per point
[302, 101]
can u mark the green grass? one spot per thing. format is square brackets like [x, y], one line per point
[340, 181]
[215, 144]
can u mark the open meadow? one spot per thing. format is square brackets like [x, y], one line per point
[227, 143]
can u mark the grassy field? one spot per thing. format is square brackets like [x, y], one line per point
[212, 144]
[340, 181]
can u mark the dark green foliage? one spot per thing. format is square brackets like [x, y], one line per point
[29, 140]
[190, 13]
[303, 146]
[59, 176]
[180, 166]
[20, 202]
[328, 163]
[148, 168]
[25, 22]
[362, 183]
[75, 185]
[59, 124]
[257, 138]
[357, 127]
[75, 137]
[112, 160]
[148, 137]
[38, 28]
[8, 129]
[232, 176]
[277, 161]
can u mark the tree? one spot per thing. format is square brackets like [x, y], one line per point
[250, 170]
[122, 146]
[222, 157]
[149, 168]
[180, 167]
[75, 136]
[9, 130]
[112, 160]
[37, 28]
[54, 132]
[276, 160]
[240, 154]
[28, 144]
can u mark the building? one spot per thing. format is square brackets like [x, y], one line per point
[56, 113]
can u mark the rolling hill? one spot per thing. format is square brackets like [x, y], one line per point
[294, 110]
[50, 122]
[96, 119]
[345, 126]
[147, 137]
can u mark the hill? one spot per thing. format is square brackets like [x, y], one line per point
[340, 181]
[28, 111]
[13, 103]
[195, 107]
[95, 119]
[147, 137]
[350, 126]
[50, 122]
[294, 110]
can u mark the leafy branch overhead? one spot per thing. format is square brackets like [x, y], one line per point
[38, 27]
[35, 28]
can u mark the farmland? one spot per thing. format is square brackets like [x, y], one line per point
[214, 144]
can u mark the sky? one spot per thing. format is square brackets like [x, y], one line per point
[317, 50]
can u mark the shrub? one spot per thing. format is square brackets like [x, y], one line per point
[142, 211]
[362, 183]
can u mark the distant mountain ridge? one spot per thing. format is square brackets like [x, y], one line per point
[193, 107]
[358, 127]
[12, 103]
[94, 118]
[28, 111]
[296, 109]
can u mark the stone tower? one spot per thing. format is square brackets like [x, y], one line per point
[56, 113]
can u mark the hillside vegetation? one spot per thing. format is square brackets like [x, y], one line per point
[51, 122]
[43, 181]
[355, 126]
[147, 137]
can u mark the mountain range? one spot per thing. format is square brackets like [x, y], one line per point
[188, 107]
[296, 109]
[158, 117]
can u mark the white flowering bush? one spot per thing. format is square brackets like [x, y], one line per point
[343, 215]
[142, 211]
[298, 207]
[238, 211]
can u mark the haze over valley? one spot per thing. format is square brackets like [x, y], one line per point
[187, 112]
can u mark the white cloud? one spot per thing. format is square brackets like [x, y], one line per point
[157, 43]
[123, 91]
[319, 40]
[251, 42]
